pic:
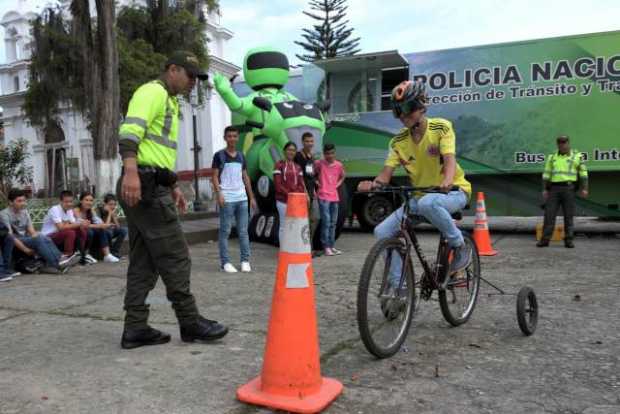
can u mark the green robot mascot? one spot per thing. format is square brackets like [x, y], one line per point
[270, 117]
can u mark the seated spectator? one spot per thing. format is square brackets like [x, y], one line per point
[28, 242]
[6, 250]
[116, 234]
[96, 229]
[288, 178]
[65, 230]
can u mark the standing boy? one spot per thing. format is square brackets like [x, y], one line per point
[330, 173]
[233, 189]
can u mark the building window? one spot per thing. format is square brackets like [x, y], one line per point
[16, 83]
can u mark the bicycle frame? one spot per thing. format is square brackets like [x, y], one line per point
[433, 276]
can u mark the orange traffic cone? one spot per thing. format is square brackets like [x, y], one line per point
[482, 237]
[291, 376]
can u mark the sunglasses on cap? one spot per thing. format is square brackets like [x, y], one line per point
[405, 108]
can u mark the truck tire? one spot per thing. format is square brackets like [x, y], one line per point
[257, 227]
[265, 194]
[270, 234]
[374, 210]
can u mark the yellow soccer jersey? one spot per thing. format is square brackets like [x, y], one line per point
[423, 161]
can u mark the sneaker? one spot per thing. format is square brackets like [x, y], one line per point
[14, 273]
[134, 338]
[229, 268]
[5, 277]
[89, 259]
[462, 258]
[542, 243]
[329, 252]
[336, 251]
[245, 267]
[569, 244]
[68, 261]
[111, 259]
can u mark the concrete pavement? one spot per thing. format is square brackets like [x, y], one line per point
[60, 353]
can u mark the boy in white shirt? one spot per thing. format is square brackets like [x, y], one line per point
[63, 228]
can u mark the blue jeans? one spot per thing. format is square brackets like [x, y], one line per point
[44, 247]
[239, 211]
[115, 238]
[436, 208]
[329, 217]
[98, 237]
[6, 254]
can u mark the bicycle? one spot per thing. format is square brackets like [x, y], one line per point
[393, 305]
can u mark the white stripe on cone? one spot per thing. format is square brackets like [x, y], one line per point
[296, 276]
[296, 236]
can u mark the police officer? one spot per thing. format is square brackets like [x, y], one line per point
[150, 196]
[563, 170]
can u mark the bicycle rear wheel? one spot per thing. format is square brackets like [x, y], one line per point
[458, 300]
[384, 312]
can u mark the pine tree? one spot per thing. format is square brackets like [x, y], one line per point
[331, 37]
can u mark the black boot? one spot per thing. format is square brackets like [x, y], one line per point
[543, 243]
[203, 330]
[569, 244]
[134, 338]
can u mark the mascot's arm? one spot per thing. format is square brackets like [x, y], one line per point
[234, 103]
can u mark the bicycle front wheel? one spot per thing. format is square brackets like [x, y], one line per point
[459, 298]
[385, 311]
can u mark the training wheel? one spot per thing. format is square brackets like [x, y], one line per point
[527, 310]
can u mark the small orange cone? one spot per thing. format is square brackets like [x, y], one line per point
[482, 237]
[291, 376]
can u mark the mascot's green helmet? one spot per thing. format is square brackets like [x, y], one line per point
[265, 67]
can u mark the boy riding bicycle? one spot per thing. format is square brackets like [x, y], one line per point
[426, 149]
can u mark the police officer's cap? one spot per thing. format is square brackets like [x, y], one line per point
[189, 61]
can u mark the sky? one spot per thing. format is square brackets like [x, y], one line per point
[405, 25]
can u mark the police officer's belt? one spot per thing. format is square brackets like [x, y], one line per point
[563, 184]
[161, 176]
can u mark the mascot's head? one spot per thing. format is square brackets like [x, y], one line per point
[265, 67]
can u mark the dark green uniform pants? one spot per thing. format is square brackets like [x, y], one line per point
[157, 248]
[559, 195]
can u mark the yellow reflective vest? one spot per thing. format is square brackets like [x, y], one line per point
[152, 122]
[565, 167]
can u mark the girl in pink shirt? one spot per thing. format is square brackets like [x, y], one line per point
[330, 173]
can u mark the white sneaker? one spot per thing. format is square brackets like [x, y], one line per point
[245, 267]
[90, 259]
[15, 274]
[229, 268]
[66, 262]
[110, 258]
[5, 278]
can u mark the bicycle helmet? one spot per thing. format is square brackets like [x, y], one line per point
[408, 96]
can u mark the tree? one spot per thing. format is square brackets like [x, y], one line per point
[331, 37]
[13, 166]
[99, 77]
[100, 62]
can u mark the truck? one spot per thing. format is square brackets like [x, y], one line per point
[507, 102]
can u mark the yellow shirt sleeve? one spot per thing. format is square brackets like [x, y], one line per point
[392, 160]
[447, 142]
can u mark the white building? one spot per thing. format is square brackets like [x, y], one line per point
[62, 157]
